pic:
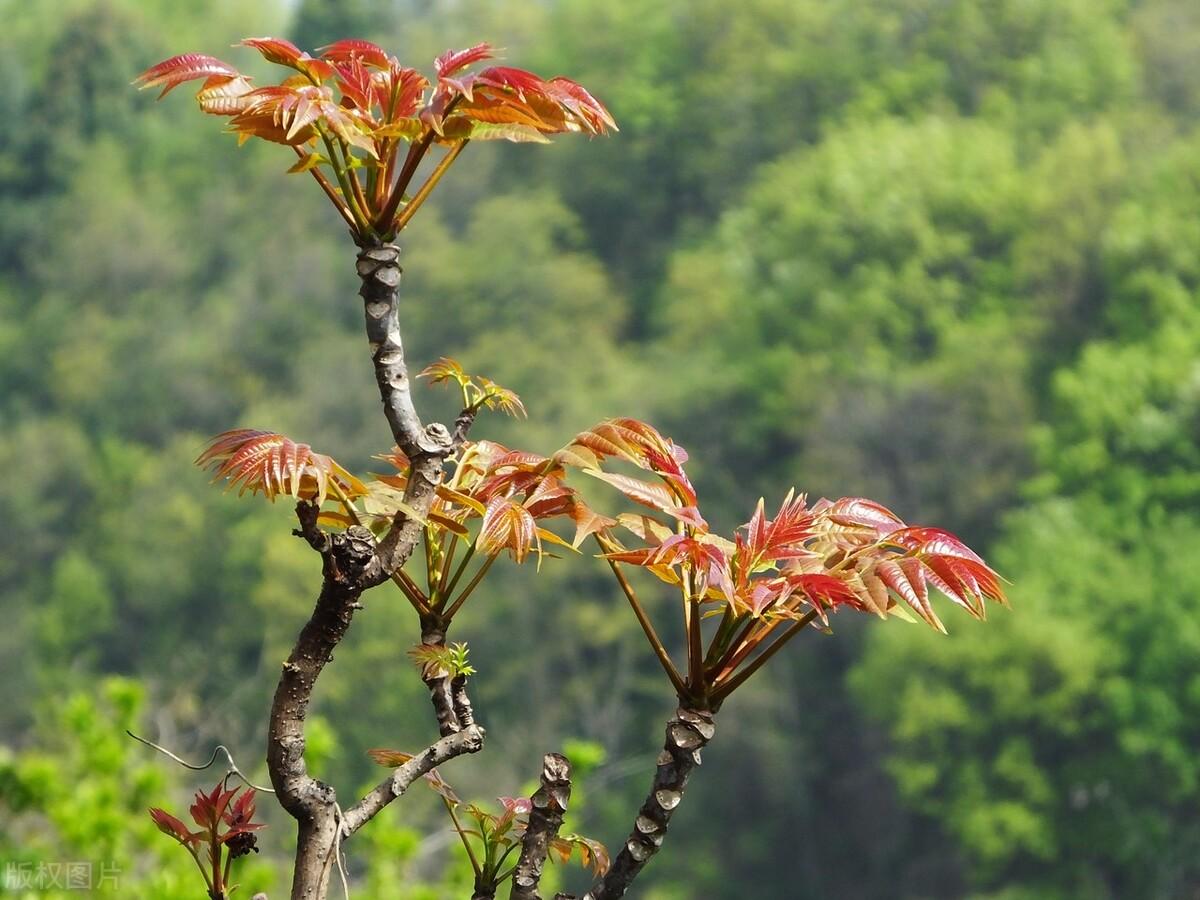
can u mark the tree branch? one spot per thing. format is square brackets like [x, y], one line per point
[469, 740]
[425, 446]
[463, 710]
[687, 734]
[434, 632]
[349, 567]
[352, 563]
[549, 804]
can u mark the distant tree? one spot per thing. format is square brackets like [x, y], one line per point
[1082, 780]
[361, 125]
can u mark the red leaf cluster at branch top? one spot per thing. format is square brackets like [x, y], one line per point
[354, 106]
[849, 552]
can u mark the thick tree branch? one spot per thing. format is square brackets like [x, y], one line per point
[549, 804]
[469, 740]
[352, 563]
[425, 446]
[349, 566]
[687, 734]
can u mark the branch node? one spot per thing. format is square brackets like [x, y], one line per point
[687, 732]
[545, 819]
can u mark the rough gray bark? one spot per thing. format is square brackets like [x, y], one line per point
[688, 731]
[349, 567]
[549, 804]
[463, 710]
[425, 446]
[354, 562]
[469, 740]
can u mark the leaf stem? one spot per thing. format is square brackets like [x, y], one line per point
[200, 866]
[426, 189]
[447, 561]
[426, 540]
[329, 190]
[463, 836]
[412, 160]
[416, 152]
[651, 635]
[717, 647]
[410, 590]
[337, 492]
[695, 640]
[735, 644]
[466, 592]
[444, 595]
[356, 185]
[215, 857]
[362, 225]
[724, 689]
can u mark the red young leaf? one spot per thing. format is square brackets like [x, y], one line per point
[222, 95]
[856, 511]
[640, 444]
[239, 816]
[587, 522]
[186, 67]
[171, 826]
[277, 50]
[517, 80]
[823, 591]
[407, 86]
[274, 464]
[906, 578]
[782, 537]
[507, 525]
[513, 807]
[357, 84]
[371, 54]
[209, 809]
[653, 495]
[588, 110]
[285, 53]
[453, 61]
[373, 106]
[592, 854]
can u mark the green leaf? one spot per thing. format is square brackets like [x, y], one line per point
[496, 131]
[308, 161]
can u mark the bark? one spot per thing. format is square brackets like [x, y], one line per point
[687, 734]
[439, 685]
[469, 740]
[349, 566]
[549, 804]
[352, 563]
[425, 446]
[463, 710]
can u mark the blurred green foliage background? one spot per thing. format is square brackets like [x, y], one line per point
[942, 253]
